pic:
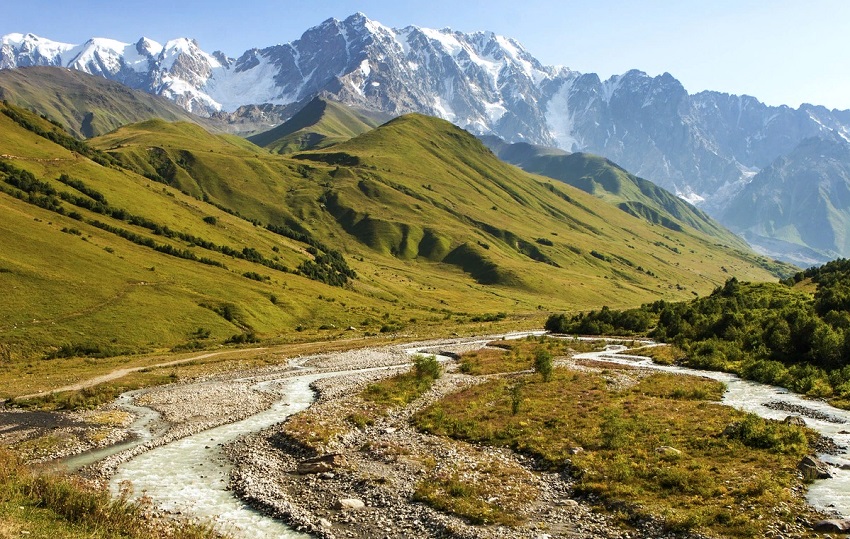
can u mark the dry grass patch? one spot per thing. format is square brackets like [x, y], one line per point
[486, 490]
[518, 355]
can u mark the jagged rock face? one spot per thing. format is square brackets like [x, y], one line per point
[800, 203]
[705, 147]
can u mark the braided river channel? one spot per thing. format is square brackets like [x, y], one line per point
[190, 476]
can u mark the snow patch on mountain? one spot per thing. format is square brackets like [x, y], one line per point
[559, 119]
[233, 89]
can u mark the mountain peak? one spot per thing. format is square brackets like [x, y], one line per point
[357, 18]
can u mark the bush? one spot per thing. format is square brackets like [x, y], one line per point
[543, 363]
[774, 436]
[427, 367]
[242, 338]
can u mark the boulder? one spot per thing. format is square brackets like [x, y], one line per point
[794, 420]
[813, 468]
[349, 504]
[832, 526]
[667, 451]
[322, 464]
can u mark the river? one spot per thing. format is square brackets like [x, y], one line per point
[190, 476]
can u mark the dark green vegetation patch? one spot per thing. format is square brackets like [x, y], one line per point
[794, 334]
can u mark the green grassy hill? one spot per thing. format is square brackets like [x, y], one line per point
[321, 123]
[604, 179]
[237, 242]
[86, 105]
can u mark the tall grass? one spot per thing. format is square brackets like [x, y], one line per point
[53, 505]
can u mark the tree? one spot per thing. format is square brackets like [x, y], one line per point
[543, 363]
[516, 397]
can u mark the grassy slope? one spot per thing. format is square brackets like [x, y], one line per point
[410, 218]
[418, 180]
[72, 289]
[319, 124]
[606, 180]
[87, 105]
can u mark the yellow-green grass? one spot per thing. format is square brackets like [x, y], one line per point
[467, 489]
[723, 485]
[392, 222]
[518, 355]
[42, 505]
[667, 354]
[316, 430]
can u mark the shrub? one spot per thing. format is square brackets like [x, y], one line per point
[543, 363]
[774, 436]
[427, 367]
[242, 338]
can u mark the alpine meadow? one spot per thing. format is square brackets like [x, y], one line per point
[405, 282]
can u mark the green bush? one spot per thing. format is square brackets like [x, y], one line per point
[543, 363]
[774, 436]
[427, 367]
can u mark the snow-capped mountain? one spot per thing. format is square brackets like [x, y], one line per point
[704, 147]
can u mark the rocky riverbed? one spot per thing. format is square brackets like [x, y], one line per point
[366, 486]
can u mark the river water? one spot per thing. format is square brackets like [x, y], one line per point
[190, 476]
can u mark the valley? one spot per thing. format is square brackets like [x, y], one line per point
[412, 227]
[321, 313]
[391, 444]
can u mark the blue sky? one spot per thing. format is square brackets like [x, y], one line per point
[781, 51]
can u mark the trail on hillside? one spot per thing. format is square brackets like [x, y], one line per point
[118, 373]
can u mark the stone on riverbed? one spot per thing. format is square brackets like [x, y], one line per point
[349, 504]
[813, 468]
[322, 464]
[794, 420]
[832, 526]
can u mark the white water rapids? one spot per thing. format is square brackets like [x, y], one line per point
[190, 476]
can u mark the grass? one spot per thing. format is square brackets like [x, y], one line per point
[518, 355]
[469, 491]
[732, 485]
[665, 355]
[402, 389]
[46, 505]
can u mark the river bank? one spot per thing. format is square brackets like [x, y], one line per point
[380, 463]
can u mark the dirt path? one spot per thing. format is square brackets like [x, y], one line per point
[118, 373]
